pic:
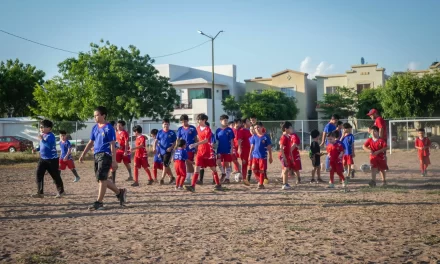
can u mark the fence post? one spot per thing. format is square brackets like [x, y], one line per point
[407, 134]
[302, 134]
[391, 137]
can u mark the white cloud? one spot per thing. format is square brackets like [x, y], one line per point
[413, 65]
[309, 67]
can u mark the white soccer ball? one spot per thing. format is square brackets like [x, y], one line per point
[237, 177]
[365, 167]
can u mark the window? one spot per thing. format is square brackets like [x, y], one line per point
[8, 139]
[330, 89]
[289, 92]
[361, 87]
[204, 93]
[225, 94]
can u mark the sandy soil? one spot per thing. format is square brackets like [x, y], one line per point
[310, 224]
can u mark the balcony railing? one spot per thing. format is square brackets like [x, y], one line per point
[183, 104]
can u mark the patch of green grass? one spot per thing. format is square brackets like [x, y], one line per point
[433, 192]
[388, 188]
[431, 240]
[46, 255]
[297, 228]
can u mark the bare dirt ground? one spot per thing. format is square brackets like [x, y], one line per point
[309, 224]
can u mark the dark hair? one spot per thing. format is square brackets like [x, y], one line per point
[231, 123]
[421, 130]
[340, 122]
[165, 120]
[46, 123]
[112, 123]
[244, 120]
[154, 131]
[335, 116]
[314, 133]
[336, 133]
[184, 117]
[237, 120]
[223, 117]
[374, 128]
[347, 125]
[181, 143]
[202, 117]
[122, 122]
[259, 124]
[137, 128]
[286, 125]
[63, 132]
[101, 110]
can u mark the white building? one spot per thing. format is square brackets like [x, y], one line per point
[193, 84]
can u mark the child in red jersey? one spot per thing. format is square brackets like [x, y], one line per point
[180, 157]
[260, 145]
[377, 148]
[141, 156]
[244, 148]
[235, 126]
[422, 145]
[123, 150]
[286, 153]
[335, 152]
[296, 157]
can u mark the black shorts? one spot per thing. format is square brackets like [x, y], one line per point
[166, 158]
[316, 162]
[103, 162]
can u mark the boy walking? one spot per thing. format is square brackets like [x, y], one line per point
[260, 145]
[141, 156]
[377, 148]
[66, 157]
[335, 152]
[286, 154]
[180, 157]
[157, 161]
[422, 145]
[296, 157]
[348, 142]
[48, 160]
[103, 139]
[315, 155]
[165, 141]
[330, 127]
[188, 133]
[224, 136]
[123, 150]
[244, 148]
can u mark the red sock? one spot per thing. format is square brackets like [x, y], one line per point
[243, 169]
[332, 176]
[147, 170]
[155, 173]
[136, 174]
[261, 178]
[182, 180]
[216, 179]
[194, 179]
[341, 176]
[178, 181]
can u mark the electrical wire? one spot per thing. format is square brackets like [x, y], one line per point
[180, 51]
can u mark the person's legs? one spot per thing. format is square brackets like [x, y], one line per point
[39, 176]
[55, 173]
[146, 167]
[327, 162]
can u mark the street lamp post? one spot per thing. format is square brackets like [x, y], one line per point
[212, 88]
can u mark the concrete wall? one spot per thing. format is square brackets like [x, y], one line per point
[323, 82]
[365, 75]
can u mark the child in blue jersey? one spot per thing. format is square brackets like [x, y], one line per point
[48, 160]
[164, 143]
[66, 156]
[180, 157]
[224, 135]
[188, 133]
[348, 142]
[103, 138]
[260, 146]
[157, 161]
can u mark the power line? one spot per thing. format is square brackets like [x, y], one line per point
[180, 51]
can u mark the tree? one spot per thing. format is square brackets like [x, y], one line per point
[343, 102]
[409, 95]
[367, 100]
[17, 83]
[120, 79]
[269, 105]
[231, 107]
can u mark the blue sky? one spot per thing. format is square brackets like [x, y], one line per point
[261, 37]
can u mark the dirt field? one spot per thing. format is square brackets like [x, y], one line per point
[310, 224]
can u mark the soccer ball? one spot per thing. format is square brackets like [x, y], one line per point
[365, 167]
[237, 177]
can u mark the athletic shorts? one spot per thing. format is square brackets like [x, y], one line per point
[316, 162]
[336, 166]
[425, 160]
[205, 162]
[103, 162]
[121, 158]
[348, 160]
[224, 157]
[69, 164]
[166, 158]
[180, 166]
[190, 156]
[157, 165]
[296, 163]
[141, 162]
[286, 163]
[259, 164]
[378, 163]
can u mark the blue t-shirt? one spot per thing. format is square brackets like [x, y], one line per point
[180, 154]
[157, 157]
[327, 129]
[260, 146]
[48, 146]
[348, 142]
[65, 146]
[189, 135]
[224, 137]
[103, 136]
[165, 140]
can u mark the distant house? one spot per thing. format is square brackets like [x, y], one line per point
[435, 66]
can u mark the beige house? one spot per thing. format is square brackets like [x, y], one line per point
[363, 76]
[435, 66]
[293, 84]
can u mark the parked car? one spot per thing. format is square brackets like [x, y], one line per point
[15, 143]
[435, 141]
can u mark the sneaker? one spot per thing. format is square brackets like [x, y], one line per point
[218, 188]
[223, 177]
[266, 181]
[37, 195]
[122, 196]
[150, 182]
[226, 181]
[96, 206]
[172, 180]
[76, 179]
[162, 182]
[199, 182]
[246, 182]
[313, 181]
[178, 188]
[135, 184]
[60, 195]
[260, 187]
[129, 179]
[352, 174]
[319, 180]
[372, 183]
[286, 187]
[189, 188]
[331, 186]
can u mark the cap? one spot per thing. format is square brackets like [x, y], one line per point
[372, 112]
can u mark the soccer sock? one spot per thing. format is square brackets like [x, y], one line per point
[155, 173]
[178, 180]
[265, 175]
[136, 174]
[129, 173]
[75, 173]
[194, 179]
[261, 178]
[222, 169]
[341, 176]
[147, 170]
[216, 179]
[188, 176]
[114, 176]
[236, 166]
[202, 173]
[332, 176]
[243, 171]
[228, 172]
[182, 180]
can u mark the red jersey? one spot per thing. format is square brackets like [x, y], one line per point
[285, 141]
[141, 152]
[244, 135]
[122, 138]
[294, 139]
[204, 150]
[376, 145]
[263, 129]
[425, 142]
[334, 151]
[380, 123]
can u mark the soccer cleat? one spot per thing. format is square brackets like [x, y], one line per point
[189, 188]
[150, 182]
[331, 186]
[226, 181]
[260, 187]
[96, 206]
[372, 183]
[246, 182]
[266, 181]
[162, 182]
[172, 180]
[129, 179]
[199, 182]
[76, 179]
[223, 177]
[218, 188]
[286, 187]
[135, 184]
[37, 195]
[178, 188]
[60, 195]
[313, 181]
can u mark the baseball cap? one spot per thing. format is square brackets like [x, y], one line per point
[372, 112]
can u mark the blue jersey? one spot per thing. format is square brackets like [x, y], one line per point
[224, 136]
[157, 157]
[65, 146]
[48, 146]
[348, 142]
[103, 136]
[180, 154]
[165, 140]
[327, 129]
[188, 134]
[260, 146]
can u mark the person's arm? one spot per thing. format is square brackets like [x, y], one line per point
[113, 150]
[199, 143]
[352, 150]
[366, 147]
[324, 134]
[269, 149]
[250, 152]
[69, 151]
[86, 149]
[126, 145]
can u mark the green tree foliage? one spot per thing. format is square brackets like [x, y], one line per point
[231, 107]
[343, 102]
[269, 105]
[408, 95]
[367, 100]
[17, 83]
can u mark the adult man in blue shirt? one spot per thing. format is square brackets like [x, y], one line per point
[330, 127]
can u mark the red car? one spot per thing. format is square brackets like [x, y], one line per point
[15, 143]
